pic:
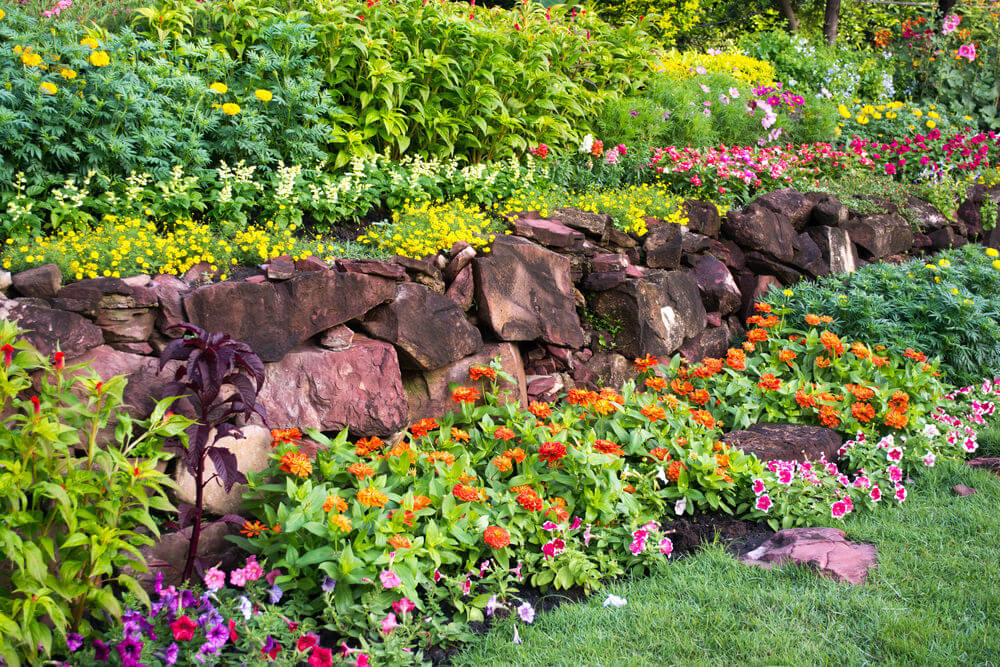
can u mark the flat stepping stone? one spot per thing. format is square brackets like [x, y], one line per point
[963, 490]
[825, 549]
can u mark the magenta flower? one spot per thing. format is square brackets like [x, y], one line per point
[467, 586]
[403, 606]
[895, 474]
[587, 535]
[553, 548]
[666, 546]
[576, 523]
[875, 494]
[929, 459]
[253, 570]
[549, 526]
[764, 503]
[895, 454]
[950, 24]
[759, 487]
[437, 576]
[838, 509]
[390, 579]
[238, 577]
[967, 51]
[785, 476]
[900, 493]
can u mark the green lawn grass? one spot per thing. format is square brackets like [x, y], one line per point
[934, 599]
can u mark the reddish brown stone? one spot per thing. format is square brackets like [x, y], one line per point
[427, 328]
[372, 267]
[879, 236]
[549, 233]
[41, 282]
[786, 442]
[963, 490]
[275, 317]
[759, 228]
[524, 292]
[717, 286]
[310, 263]
[280, 268]
[359, 388]
[170, 292]
[825, 549]
[703, 217]
[462, 290]
[594, 224]
[664, 246]
[794, 205]
[50, 330]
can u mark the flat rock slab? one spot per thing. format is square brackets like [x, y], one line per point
[786, 442]
[986, 463]
[963, 490]
[825, 549]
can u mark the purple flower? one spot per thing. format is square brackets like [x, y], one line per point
[526, 612]
[188, 599]
[633, 113]
[74, 642]
[329, 583]
[275, 594]
[158, 583]
[129, 649]
[101, 650]
[271, 576]
[217, 636]
[169, 654]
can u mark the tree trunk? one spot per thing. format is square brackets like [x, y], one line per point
[789, 13]
[944, 7]
[830, 20]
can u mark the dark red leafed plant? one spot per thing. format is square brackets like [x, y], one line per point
[211, 361]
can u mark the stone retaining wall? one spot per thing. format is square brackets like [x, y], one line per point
[563, 302]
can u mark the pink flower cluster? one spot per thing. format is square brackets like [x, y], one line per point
[931, 152]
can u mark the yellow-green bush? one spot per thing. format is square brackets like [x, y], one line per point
[744, 68]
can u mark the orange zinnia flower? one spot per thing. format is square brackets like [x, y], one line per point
[787, 356]
[581, 397]
[253, 528]
[551, 451]
[422, 427]
[529, 500]
[757, 335]
[768, 382]
[360, 470]
[372, 497]
[916, 356]
[863, 412]
[812, 320]
[832, 343]
[656, 383]
[284, 435]
[420, 502]
[480, 372]
[608, 447]
[682, 387]
[399, 542]
[296, 463]
[503, 433]
[517, 454]
[335, 502]
[465, 493]
[761, 307]
[502, 463]
[465, 395]
[365, 446]
[539, 409]
[828, 416]
[611, 395]
[447, 457]
[703, 417]
[896, 419]
[459, 435]
[646, 363]
[804, 399]
[700, 397]
[659, 453]
[496, 537]
[736, 359]
[860, 351]
[822, 362]
[674, 470]
[340, 522]
[653, 413]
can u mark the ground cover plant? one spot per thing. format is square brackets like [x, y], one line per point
[946, 307]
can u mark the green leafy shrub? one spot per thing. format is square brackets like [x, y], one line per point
[75, 105]
[75, 510]
[948, 309]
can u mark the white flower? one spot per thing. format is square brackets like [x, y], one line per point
[680, 506]
[587, 144]
[615, 601]
[734, 93]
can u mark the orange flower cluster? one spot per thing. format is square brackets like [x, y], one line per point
[423, 427]
[366, 446]
[502, 463]
[296, 463]
[399, 542]
[768, 382]
[653, 413]
[608, 447]
[420, 502]
[335, 503]
[540, 410]
[529, 500]
[863, 412]
[787, 356]
[703, 417]
[896, 417]
[253, 528]
[700, 397]
[681, 387]
[647, 362]
[674, 470]
[736, 359]
[805, 400]
[828, 416]
[503, 433]
[916, 356]
[551, 452]
[709, 367]
[479, 372]
[447, 457]
[757, 335]
[517, 454]
[288, 436]
[860, 392]
[496, 537]
[831, 341]
[465, 493]
[860, 351]
[360, 470]
[656, 384]
[372, 497]
[660, 454]
[458, 435]
[341, 522]
[465, 395]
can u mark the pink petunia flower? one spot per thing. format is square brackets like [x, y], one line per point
[785, 476]
[895, 474]
[390, 579]
[838, 509]
[214, 579]
[764, 503]
[666, 546]
[967, 51]
[875, 494]
[895, 454]
[389, 623]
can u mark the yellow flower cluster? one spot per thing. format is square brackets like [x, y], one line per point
[423, 228]
[911, 116]
[629, 207]
[748, 70]
[119, 247]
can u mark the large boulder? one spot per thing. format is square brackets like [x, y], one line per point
[428, 394]
[835, 246]
[703, 217]
[829, 211]
[809, 257]
[594, 224]
[761, 263]
[792, 204]
[655, 313]
[712, 342]
[524, 292]
[145, 382]
[970, 211]
[170, 292]
[40, 282]
[275, 317]
[428, 329]
[878, 236]
[549, 233]
[718, 289]
[252, 452]
[786, 442]
[825, 549]
[926, 216]
[359, 388]
[50, 330]
[759, 228]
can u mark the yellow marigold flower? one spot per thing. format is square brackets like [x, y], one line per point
[263, 95]
[992, 252]
[219, 88]
[230, 108]
[31, 59]
[48, 88]
[2, 14]
[89, 42]
[67, 73]
[100, 59]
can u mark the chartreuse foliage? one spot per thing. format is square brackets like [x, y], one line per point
[76, 508]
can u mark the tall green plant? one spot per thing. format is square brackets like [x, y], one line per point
[75, 510]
